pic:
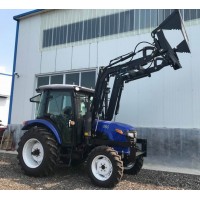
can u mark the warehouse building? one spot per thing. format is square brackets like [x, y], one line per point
[5, 86]
[69, 46]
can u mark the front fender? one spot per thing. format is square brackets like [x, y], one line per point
[38, 122]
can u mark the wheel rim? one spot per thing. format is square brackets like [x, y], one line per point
[33, 153]
[102, 167]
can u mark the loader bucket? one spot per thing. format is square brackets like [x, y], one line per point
[175, 22]
[172, 22]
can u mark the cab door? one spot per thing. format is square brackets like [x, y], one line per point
[83, 113]
[60, 109]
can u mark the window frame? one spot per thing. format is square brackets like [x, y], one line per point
[63, 74]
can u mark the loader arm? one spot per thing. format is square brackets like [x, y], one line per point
[153, 58]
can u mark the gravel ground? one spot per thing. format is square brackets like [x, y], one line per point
[12, 178]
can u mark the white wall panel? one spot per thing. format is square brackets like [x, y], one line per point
[93, 55]
[80, 57]
[48, 61]
[4, 109]
[27, 65]
[110, 49]
[63, 59]
[5, 85]
[107, 50]
[177, 98]
[195, 73]
[169, 98]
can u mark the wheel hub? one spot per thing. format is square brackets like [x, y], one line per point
[102, 167]
[33, 153]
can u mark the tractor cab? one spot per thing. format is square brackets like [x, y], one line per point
[66, 108]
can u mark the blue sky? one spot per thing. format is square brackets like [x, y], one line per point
[7, 38]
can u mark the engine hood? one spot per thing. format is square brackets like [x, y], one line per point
[108, 129]
[102, 124]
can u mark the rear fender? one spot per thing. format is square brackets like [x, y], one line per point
[41, 122]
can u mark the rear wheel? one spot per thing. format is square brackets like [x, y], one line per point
[104, 166]
[37, 152]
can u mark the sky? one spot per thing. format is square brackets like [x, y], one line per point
[7, 38]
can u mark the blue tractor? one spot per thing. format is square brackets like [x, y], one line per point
[75, 124]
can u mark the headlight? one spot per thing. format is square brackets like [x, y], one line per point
[132, 134]
[119, 131]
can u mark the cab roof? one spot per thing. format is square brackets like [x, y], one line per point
[64, 87]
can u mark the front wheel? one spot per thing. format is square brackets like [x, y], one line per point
[104, 166]
[37, 152]
[133, 168]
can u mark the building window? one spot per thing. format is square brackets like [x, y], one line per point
[148, 17]
[88, 79]
[114, 23]
[70, 33]
[79, 30]
[198, 13]
[154, 18]
[47, 37]
[142, 19]
[82, 78]
[72, 79]
[57, 79]
[137, 20]
[85, 79]
[43, 81]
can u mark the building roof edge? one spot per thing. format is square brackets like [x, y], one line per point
[28, 14]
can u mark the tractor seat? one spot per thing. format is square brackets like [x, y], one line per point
[67, 111]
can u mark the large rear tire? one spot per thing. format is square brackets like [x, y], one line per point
[104, 166]
[38, 152]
